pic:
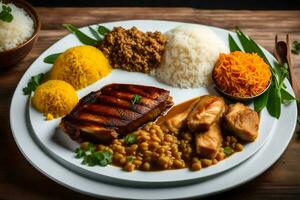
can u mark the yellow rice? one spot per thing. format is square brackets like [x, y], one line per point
[54, 98]
[80, 66]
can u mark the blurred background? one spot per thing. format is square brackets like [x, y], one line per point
[204, 4]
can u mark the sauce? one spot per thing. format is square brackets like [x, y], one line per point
[177, 109]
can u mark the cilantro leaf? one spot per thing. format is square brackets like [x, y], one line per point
[130, 139]
[79, 153]
[92, 157]
[135, 99]
[34, 82]
[130, 158]
[5, 14]
[91, 148]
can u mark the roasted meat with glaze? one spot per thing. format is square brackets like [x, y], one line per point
[103, 115]
[208, 143]
[242, 121]
[177, 121]
[207, 111]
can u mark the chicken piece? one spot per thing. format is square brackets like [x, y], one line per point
[208, 143]
[242, 121]
[175, 121]
[208, 110]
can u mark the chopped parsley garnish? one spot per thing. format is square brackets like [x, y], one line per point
[91, 157]
[34, 82]
[228, 151]
[130, 158]
[130, 139]
[136, 99]
[5, 14]
[296, 47]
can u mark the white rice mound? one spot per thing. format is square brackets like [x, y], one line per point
[16, 32]
[190, 55]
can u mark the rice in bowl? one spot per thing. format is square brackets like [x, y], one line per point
[190, 55]
[16, 32]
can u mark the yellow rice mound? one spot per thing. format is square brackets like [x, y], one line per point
[54, 98]
[80, 66]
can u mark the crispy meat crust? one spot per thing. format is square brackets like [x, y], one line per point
[103, 115]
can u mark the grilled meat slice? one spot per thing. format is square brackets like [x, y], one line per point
[242, 121]
[207, 111]
[103, 115]
[208, 143]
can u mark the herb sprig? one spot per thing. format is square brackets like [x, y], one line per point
[135, 99]
[91, 157]
[276, 94]
[296, 47]
[5, 14]
[130, 139]
[98, 35]
[33, 83]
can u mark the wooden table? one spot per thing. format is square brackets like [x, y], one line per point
[19, 180]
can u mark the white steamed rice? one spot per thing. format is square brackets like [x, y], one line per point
[17, 31]
[190, 55]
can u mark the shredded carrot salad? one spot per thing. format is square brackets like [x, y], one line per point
[241, 74]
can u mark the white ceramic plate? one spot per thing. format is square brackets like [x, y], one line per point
[61, 148]
[246, 171]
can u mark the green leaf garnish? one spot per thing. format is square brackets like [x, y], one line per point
[130, 139]
[136, 99]
[228, 151]
[91, 157]
[276, 94]
[34, 82]
[286, 96]
[296, 47]
[91, 148]
[232, 44]
[5, 14]
[79, 153]
[103, 30]
[80, 35]
[95, 34]
[130, 158]
[51, 58]
[250, 46]
[274, 101]
[261, 101]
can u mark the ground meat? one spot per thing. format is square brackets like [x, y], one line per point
[133, 50]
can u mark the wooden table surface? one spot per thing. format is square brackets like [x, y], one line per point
[19, 180]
